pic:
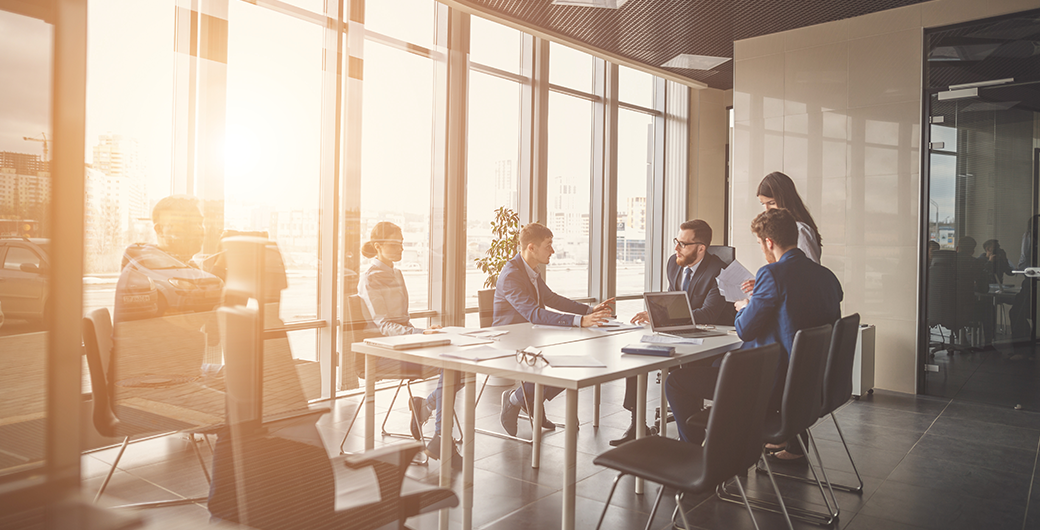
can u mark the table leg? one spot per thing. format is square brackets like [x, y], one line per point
[447, 423]
[640, 418]
[370, 403]
[469, 424]
[536, 425]
[595, 406]
[570, 458]
[662, 422]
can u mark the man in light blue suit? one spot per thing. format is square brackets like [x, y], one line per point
[522, 296]
[791, 293]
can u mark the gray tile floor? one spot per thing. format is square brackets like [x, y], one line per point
[926, 462]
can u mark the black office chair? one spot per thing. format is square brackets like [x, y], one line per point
[732, 444]
[725, 253]
[800, 409]
[837, 388]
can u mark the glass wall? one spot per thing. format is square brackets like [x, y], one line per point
[218, 130]
[981, 217]
[26, 140]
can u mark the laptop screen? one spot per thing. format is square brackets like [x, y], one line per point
[669, 310]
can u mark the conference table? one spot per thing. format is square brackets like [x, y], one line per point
[596, 343]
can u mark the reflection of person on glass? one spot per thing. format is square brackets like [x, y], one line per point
[160, 278]
[993, 265]
[385, 294]
[1021, 310]
[521, 295]
[777, 190]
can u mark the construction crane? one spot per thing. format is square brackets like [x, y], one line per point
[44, 140]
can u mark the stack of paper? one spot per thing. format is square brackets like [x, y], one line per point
[730, 279]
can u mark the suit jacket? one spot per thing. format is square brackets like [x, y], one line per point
[792, 294]
[516, 299]
[709, 306]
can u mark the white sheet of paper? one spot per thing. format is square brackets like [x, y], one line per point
[730, 279]
[482, 353]
[573, 361]
[664, 339]
[614, 324]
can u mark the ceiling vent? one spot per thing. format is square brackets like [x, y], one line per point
[694, 62]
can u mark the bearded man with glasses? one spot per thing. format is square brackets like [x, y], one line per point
[691, 269]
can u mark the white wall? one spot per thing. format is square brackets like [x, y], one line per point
[837, 107]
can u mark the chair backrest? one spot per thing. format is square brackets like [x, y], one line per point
[801, 403]
[486, 307]
[725, 253]
[734, 435]
[97, 342]
[837, 376]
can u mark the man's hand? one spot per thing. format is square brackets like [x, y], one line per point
[432, 329]
[740, 304]
[595, 319]
[748, 286]
[607, 305]
[640, 318]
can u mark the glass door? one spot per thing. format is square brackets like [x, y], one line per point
[981, 225]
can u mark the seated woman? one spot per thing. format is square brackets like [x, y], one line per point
[383, 289]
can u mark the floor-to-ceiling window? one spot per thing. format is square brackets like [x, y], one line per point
[635, 171]
[493, 139]
[569, 185]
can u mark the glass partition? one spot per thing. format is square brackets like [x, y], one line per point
[983, 140]
[26, 46]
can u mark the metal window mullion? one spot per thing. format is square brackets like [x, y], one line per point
[658, 229]
[404, 46]
[350, 190]
[603, 222]
[596, 96]
[495, 72]
[453, 308]
[64, 378]
[670, 182]
[329, 183]
[636, 108]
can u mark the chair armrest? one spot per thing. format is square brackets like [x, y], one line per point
[400, 454]
[389, 464]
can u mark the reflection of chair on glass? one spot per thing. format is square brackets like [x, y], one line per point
[732, 443]
[277, 474]
[130, 422]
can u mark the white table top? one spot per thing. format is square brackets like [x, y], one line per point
[605, 347]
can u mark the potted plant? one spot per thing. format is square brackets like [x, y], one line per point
[505, 238]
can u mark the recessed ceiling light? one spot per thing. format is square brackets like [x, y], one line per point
[694, 62]
[609, 4]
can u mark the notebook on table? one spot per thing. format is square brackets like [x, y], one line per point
[670, 313]
[408, 342]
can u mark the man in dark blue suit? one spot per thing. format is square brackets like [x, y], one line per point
[791, 292]
[522, 296]
[691, 269]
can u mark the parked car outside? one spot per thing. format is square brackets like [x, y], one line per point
[153, 283]
[24, 290]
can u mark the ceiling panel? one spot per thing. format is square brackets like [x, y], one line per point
[653, 31]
